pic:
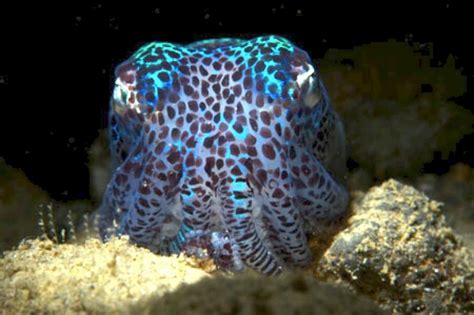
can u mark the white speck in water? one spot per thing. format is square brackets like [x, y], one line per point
[157, 11]
[424, 45]
[207, 16]
[113, 23]
[299, 12]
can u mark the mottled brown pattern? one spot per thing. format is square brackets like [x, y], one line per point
[216, 151]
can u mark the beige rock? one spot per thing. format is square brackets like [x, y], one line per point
[291, 293]
[42, 277]
[19, 199]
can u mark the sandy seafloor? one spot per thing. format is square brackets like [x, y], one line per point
[407, 246]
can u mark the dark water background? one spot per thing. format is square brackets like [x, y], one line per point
[57, 62]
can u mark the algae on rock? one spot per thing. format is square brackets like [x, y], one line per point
[399, 250]
[396, 106]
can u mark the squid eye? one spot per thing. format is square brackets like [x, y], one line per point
[124, 98]
[310, 90]
[120, 97]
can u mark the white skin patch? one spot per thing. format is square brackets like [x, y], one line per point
[309, 78]
[122, 95]
[301, 79]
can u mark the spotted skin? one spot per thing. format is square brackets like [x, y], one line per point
[225, 147]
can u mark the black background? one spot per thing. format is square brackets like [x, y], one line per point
[57, 61]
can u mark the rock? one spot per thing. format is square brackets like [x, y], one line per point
[42, 277]
[456, 191]
[398, 250]
[388, 138]
[291, 293]
[395, 70]
[21, 203]
[396, 106]
[19, 199]
[116, 277]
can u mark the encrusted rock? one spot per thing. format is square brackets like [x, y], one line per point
[399, 250]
